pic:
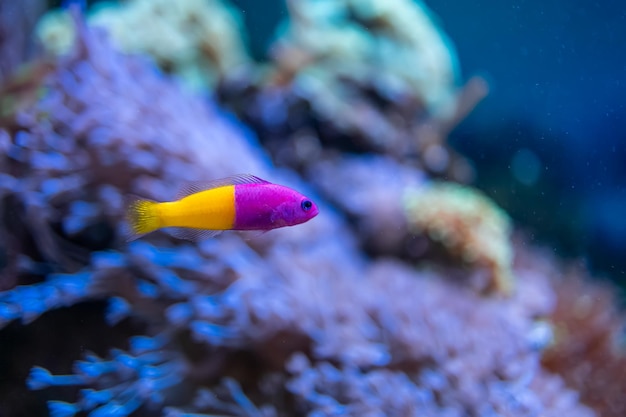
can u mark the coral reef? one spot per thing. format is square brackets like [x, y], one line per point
[179, 35]
[369, 190]
[298, 321]
[396, 39]
[328, 113]
[271, 336]
[468, 225]
[351, 76]
[399, 212]
[588, 350]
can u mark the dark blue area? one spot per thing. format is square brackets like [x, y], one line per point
[557, 63]
[261, 20]
[557, 71]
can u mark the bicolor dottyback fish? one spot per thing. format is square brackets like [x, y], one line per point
[204, 209]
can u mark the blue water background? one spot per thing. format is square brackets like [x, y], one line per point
[557, 71]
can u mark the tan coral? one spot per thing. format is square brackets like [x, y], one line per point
[398, 36]
[470, 227]
[340, 54]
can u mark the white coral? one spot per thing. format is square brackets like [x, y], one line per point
[199, 40]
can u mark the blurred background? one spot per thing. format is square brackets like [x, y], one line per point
[546, 145]
[551, 134]
[548, 141]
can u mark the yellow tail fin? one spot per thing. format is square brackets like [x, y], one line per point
[142, 216]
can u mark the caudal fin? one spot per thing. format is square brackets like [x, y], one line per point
[142, 217]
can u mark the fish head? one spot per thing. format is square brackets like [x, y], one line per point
[296, 209]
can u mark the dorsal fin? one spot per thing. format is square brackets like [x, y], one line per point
[197, 186]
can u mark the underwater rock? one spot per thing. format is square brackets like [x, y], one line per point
[177, 34]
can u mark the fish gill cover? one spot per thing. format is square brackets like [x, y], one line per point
[358, 312]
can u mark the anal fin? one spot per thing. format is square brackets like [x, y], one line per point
[251, 234]
[193, 235]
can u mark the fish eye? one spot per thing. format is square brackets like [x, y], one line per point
[306, 205]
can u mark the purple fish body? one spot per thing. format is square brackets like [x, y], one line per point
[269, 206]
